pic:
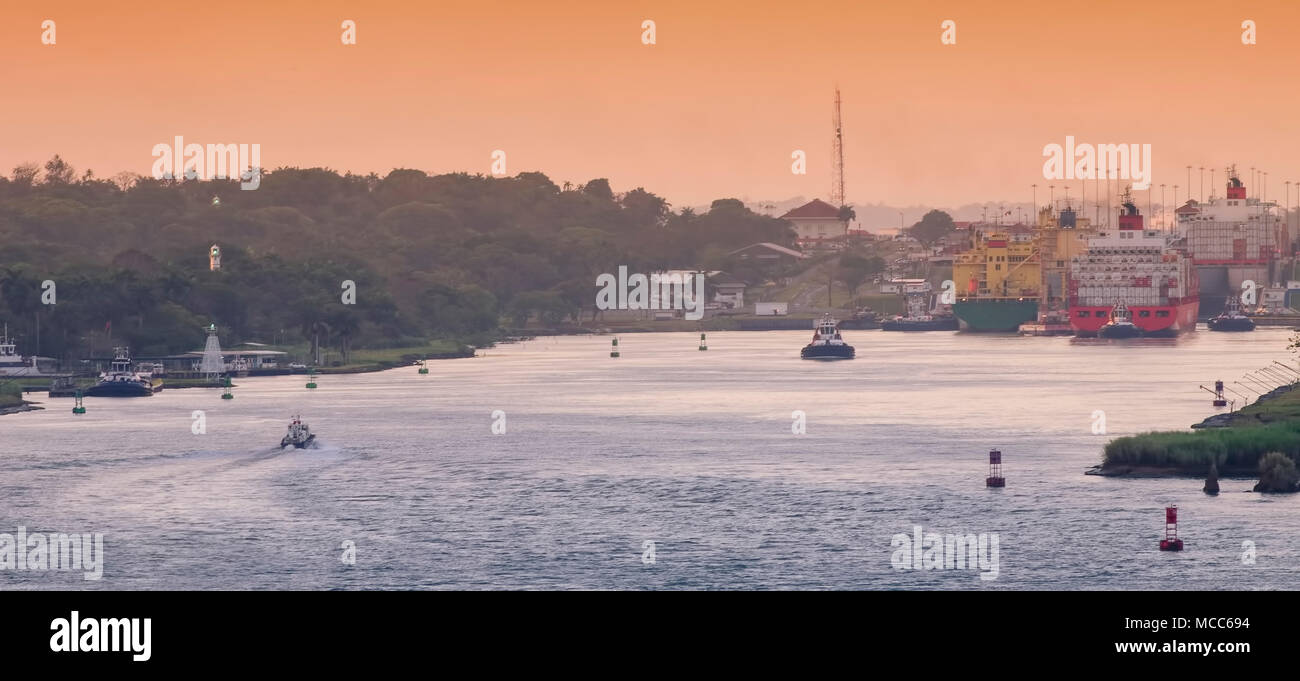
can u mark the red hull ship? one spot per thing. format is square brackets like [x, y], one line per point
[1135, 267]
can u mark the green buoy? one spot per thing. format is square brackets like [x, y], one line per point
[78, 408]
[227, 395]
[704, 345]
[423, 369]
[614, 349]
[311, 380]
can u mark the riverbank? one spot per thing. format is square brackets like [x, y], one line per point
[1234, 441]
[12, 402]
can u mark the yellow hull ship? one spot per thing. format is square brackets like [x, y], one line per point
[1002, 281]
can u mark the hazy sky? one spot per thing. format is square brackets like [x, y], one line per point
[715, 108]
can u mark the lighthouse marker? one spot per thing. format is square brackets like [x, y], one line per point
[995, 478]
[614, 348]
[1171, 542]
[704, 345]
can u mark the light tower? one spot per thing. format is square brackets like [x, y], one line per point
[214, 258]
[837, 156]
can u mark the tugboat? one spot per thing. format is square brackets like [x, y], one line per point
[121, 381]
[1120, 325]
[826, 342]
[299, 434]
[1232, 318]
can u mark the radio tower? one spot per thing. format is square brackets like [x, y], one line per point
[837, 157]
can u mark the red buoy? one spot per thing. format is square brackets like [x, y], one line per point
[1171, 542]
[995, 478]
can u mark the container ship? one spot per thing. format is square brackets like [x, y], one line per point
[1136, 269]
[1232, 239]
[1017, 274]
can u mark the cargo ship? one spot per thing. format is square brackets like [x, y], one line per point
[997, 281]
[1233, 239]
[1017, 274]
[1135, 270]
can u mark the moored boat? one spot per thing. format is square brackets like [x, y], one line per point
[1232, 318]
[827, 342]
[922, 323]
[121, 381]
[920, 318]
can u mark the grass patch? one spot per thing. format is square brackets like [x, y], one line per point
[1233, 448]
[11, 394]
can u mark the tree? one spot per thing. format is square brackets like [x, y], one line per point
[57, 171]
[853, 270]
[932, 227]
[24, 174]
[599, 188]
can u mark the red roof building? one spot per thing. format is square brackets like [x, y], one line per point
[817, 223]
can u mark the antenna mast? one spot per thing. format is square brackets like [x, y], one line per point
[837, 156]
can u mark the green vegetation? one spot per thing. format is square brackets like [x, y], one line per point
[1233, 449]
[10, 394]
[933, 226]
[1277, 473]
[1271, 425]
[432, 257]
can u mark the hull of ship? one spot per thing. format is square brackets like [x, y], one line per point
[298, 445]
[946, 324]
[995, 315]
[1088, 320]
[122, 389]
[1231, 324]
[827, 352]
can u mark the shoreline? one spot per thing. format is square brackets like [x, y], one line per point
[20, 408]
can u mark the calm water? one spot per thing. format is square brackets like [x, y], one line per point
[692, 450]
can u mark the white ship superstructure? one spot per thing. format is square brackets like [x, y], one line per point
[1236, 229]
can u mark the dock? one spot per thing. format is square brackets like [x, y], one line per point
[1037, 329]
[1277, 320]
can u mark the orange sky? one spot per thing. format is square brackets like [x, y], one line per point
[714, 109]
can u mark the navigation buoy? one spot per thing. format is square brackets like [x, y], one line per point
[311, 379]
[78, 408]
[227, 395]
[995, 478]
[1171, 542]
[704, 345]
[423, 369]
[1219, 399]
[613, 352]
